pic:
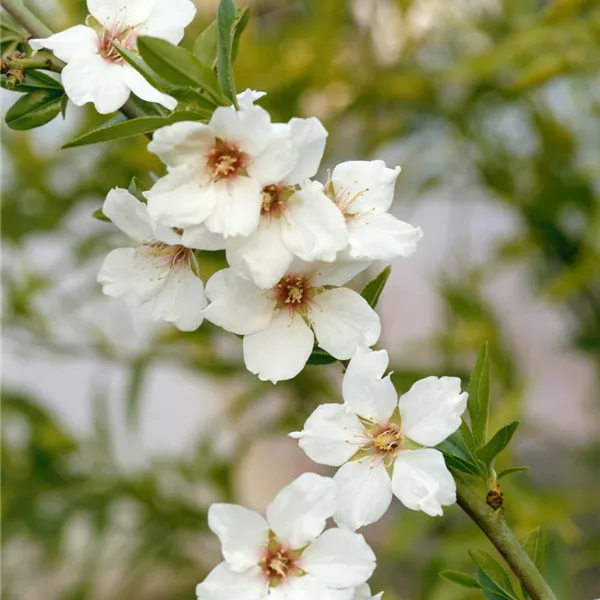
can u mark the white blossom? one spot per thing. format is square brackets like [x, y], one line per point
[287, 556]
[374, 434]
[159, 270]
[364, 191]
[280, 324]
[95, 71]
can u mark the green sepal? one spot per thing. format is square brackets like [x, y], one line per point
[99, 214]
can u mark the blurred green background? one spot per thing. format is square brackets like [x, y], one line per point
[118, 435]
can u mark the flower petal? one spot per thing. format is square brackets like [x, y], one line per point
[236, 210]
[277, 159]
[363, 388]
[381, 236]
[90, 78]
[261, 256]
[184, 143]
[197, 236]
[364, 186]
[249, 129]
[363, 592]
[421, 481]
[116, 273]
[142, 89]
[339, 558]
[313, 228]
[298, 513]
[119, 13]
[70, 43]
[342, 321]
[330, 435]
[431, 410]
[339, 272]
[128, 214]
[168, 19]
[243, 534]
[364, 493]
[280, 351]
[248, 97]
[181, 301]
[309, 137]
[307, 587]
[237, 305]
[223, 584]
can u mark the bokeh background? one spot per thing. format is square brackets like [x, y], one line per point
[118, 434]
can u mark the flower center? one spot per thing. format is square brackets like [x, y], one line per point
[165, 256]
[295, 292]
[126, 38]
[387, 440]
[343, 200]
[278, 563]
[226, 161]
[274, 199]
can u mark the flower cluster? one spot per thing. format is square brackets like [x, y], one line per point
[242, 184]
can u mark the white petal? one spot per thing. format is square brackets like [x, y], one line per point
[180, 200]
[431, 409]
[90, 78]
[364, 493]
[298, 513]
[248, 97]
[261, 256]
[168, 19]
[237, 207]
[249, 129]
[380, 236]
[277, 159]
[362, 592]
[339, 558]
[116, 273]
[337, 273]
[70, 43]
[181, 301]
[280, 351]
[365, 185]
[307, 587]
[128, 214]
[312, 227]
[197, 236]
[309, 137]
[237, 305]
[184, 143]
[120, 13]
[342, 321]
[142, 89]
[363, 388]
[150, 273]
[243, 534]
[330, 435]
[223, 584]
[421, 481]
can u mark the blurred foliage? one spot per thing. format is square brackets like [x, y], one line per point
[499, 97]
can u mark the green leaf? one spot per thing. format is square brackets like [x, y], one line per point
[461, 579]
[499, 441]
[179, 66]
[226, 18]
[137, 189]
[131, 127]
[464, 465]
[243, 16]
[320, 357]
[35, 80]
[99, 214]
[510, 471]
[372, 291]
[35, 109]
[533, 546]
[500, 581]
[205, 48]
[478, 403]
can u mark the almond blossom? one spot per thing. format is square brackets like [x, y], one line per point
[159, 270]
[95, 71]
[287, 556]
[384, 445]
[364, 191]
[280, 324]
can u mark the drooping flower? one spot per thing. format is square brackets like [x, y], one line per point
[374, 434]
[159, 270]
[287, 556]
[280, 324]
[95, 71]
[364, 191]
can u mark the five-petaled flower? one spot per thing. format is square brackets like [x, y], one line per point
[278, 323]
[287, 555]
[374, 433]
[95, 71]
[364, 191]
[159, 270]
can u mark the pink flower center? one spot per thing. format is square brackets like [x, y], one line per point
[278, 563]
[166, 256]
[386, 439]
[226, 161]
[126, 38]
[295, 292]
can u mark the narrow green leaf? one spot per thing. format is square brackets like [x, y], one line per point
[499, 441]
[125, 129]
[243, 16]
[35, 109]
[534, 547]
[178, 66]
[478, 403]
[495, 572]
[372, 291]
[143, 69]
[34, 80]
[490, 590]
[99, 214]
[467, 435]
[205, 48]
[510, 471]
[226, 17]
[320, 357]
[461, 579]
